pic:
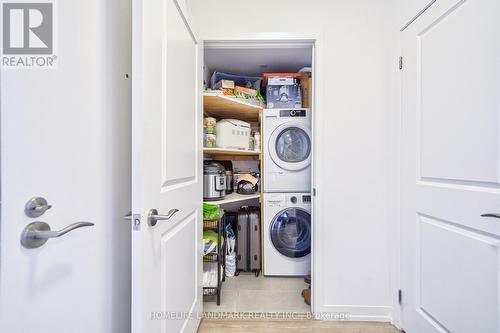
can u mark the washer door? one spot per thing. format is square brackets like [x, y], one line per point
[291, 232]
[290, 146]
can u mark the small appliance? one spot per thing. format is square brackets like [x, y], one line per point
[214, 181]
[233, 134]
[228, 165]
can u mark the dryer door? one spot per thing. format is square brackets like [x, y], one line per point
[290, 146]
[291, 232]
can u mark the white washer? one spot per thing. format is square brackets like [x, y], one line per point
[287, 150]
[287, 234]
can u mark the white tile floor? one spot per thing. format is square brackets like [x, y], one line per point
[247, 293]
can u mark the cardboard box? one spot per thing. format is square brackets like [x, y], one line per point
[306, 84]
[283, 93]
[228, 87]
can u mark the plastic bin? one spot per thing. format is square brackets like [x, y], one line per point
[239, 80]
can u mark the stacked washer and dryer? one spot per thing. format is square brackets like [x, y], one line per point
[287, 233]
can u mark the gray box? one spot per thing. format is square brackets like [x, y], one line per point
[284, 96]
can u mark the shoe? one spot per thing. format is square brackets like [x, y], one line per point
[306, 293]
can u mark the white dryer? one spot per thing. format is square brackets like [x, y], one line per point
[287, 150]
[287, 234]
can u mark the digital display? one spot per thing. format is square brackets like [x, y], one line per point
[293, 113]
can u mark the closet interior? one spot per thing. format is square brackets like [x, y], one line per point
[257, 137]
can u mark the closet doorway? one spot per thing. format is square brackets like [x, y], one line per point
[266, 267]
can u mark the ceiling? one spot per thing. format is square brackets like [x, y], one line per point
[251, 61]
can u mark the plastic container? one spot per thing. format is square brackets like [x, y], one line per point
[210, 141]
[209, 124]
[256, 141]
[239, 80]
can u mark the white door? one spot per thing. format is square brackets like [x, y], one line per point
[450, 254]
[166, 170]
[57, 130]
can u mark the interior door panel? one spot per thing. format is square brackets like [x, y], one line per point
[449, 167]
[167, 155]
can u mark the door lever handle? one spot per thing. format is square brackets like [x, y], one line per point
[38, 233]
[491, 215]
[154, 217]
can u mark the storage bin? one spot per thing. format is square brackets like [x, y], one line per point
[239, 80]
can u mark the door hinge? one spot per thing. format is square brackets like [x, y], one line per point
[400, 63]
[314, 191]
[400, 297]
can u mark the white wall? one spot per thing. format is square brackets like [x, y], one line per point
[358, 183]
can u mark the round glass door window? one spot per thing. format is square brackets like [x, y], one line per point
[291, 232]
[293, 145]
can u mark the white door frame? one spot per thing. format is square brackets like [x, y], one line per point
[319, 206]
